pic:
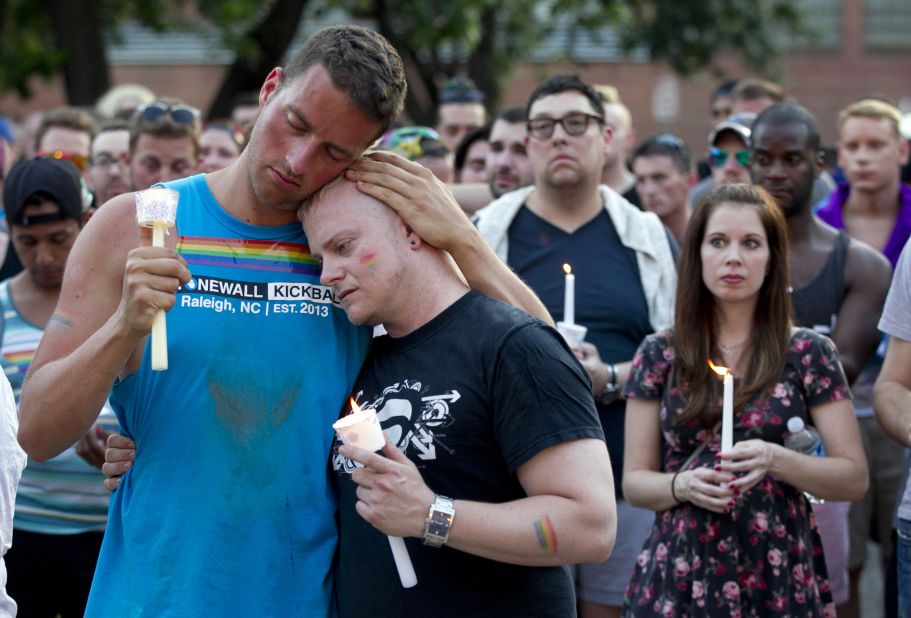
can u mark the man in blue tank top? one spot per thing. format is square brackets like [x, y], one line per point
[228, 509]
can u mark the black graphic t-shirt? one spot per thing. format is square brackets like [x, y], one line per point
[469, 397]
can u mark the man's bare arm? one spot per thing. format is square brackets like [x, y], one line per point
[867, 278]
[111, 290]
[892, 393]
[427, 205]
[472, 197]
[569, 515]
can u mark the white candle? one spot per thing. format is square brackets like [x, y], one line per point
[727, 414]
[569, 296]
[727, 407]
[403, 564]
[157, 209]
[362, 429]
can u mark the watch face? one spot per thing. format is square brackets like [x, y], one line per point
[439, 523]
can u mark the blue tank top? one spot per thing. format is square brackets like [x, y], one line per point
[228, 509]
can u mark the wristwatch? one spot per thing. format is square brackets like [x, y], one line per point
[610, 391]
[439, 521]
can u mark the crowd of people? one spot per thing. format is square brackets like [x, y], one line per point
[329, 254]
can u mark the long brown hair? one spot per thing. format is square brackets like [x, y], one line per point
[696, 318]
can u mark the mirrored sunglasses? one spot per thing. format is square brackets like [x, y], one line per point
[80, 161]
[718, 157]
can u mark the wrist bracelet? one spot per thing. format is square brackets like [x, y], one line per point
[674, 493]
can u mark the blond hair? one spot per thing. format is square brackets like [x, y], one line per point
[877, 109]
[609, 94]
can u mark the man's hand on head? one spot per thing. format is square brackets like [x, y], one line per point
[423, 201]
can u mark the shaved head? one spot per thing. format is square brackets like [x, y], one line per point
[343, 194]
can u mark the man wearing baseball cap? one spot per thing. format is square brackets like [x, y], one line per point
[728, 155]
[61, 506]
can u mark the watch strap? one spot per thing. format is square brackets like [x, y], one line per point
[610, 391]
[439, 521]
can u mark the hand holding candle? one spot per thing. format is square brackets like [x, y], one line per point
[727, 407]
[362, 429]
[157, 208]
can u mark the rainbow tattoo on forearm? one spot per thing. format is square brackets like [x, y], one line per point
[547, 536]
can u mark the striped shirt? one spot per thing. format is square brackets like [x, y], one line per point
[64, 495]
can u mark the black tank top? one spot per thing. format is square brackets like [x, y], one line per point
[816, 306]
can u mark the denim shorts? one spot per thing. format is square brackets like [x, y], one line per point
[903, 553]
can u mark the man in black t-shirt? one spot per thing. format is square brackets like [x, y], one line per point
[481, 403]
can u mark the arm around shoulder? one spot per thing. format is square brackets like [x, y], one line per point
[488, 274]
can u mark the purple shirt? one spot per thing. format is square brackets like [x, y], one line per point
[831, 214]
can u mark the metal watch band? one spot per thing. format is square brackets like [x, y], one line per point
[609, 393]
[439, 521]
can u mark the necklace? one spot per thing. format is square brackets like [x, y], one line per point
[728, 349]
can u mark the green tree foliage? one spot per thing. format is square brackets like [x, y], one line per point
[484, 39]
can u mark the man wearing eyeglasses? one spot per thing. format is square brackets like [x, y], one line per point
[625, 278]
[108, 173]
[664, 179]
[227, 508]
[838, 284]
[164, 143]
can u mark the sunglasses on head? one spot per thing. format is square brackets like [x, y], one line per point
[181, 114]
[667, 139]
[80, 161]
[718, 157]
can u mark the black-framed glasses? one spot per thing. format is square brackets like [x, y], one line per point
[181, 114]
[574, 124]
[106, 161]
[718, 157]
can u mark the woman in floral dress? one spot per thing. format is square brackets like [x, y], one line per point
[734, 534]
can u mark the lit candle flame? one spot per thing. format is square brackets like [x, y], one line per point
[567, 269]
[722, 371]
[355, 409]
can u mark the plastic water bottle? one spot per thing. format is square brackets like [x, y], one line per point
[804, 440]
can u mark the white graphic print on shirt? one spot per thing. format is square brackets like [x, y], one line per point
[412, 418]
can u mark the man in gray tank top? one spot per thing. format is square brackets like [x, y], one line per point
[838, 284]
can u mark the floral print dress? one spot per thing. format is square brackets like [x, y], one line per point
[763, 557]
